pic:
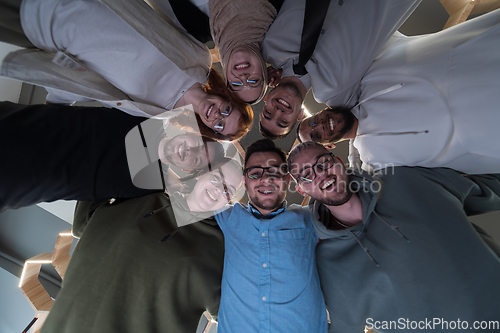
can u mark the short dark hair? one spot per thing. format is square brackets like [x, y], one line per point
[268, 135]
[263, 146]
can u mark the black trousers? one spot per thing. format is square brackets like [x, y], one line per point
[52, 152]
[11, 31]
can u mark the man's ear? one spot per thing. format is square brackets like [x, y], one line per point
[340, 160]
[329, 145]
[288, 179]
[301, 113]
[274, 76]
[300, 190]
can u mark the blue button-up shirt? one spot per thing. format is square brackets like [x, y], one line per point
[270, 281]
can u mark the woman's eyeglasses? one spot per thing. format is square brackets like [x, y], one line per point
[219, 123]
[252, 81]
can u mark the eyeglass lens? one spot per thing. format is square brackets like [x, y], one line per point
[258, 172]
[324, 162]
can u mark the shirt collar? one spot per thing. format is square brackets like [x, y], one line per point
[258, 215]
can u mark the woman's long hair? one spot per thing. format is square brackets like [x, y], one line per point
[216, 86]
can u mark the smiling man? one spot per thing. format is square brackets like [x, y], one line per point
[81, 153]
[351, 36]
[329, 126]
[270, 282]
[413, 103]
[397, 248]
[282, 108]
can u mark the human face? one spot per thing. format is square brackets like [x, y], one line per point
[266, 193]
[282, 108]
[331, 182]
[186, 151]
[242, 64]
[327, 126]
[214, 190]
[213, 112]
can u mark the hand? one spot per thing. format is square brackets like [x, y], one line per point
[274, 76]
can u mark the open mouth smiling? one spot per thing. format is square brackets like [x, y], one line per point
[283, 102]
[242, 66]
[328, 183]
[209, 111]
[181, 150]
[211, 196]
[267, 190]
[331, 124]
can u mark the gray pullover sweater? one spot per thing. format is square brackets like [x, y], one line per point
[415, 260]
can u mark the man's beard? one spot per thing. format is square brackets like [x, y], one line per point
[272, 206]
[338, 201]
[348, 118]
[275, 204]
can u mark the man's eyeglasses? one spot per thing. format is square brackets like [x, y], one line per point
[218, 180]
[315, 135]
[323, 163]
[253, 81]
[272, 171]
[218, 123]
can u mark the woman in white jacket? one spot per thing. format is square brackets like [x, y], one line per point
[123, 55]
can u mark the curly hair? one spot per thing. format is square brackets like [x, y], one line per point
[217, 86]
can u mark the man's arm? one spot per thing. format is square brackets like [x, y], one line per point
[353, 34]
[484, 196]
[440, 190]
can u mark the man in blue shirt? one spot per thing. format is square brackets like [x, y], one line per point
[270, 282]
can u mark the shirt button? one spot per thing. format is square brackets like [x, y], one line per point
[118, 103]
[264, 298]
[322, 31]
[314, 60]
[263, 234]
[264, 265]
[341, 2]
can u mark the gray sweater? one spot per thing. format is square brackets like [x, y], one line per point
[423, 262]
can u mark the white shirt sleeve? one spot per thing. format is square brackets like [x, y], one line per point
[63, 97]
[354, 157]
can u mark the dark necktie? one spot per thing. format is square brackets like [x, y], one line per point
[314, 16]
[276, 4]
[192, 19]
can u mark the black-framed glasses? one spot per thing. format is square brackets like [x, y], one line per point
[252, 81]
[216, 180]
[272, 171]
[323, 163]
[219, 123]
[315, 135]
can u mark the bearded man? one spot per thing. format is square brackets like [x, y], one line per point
[398, 249]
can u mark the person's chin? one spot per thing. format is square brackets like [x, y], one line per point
[268, 203]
